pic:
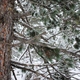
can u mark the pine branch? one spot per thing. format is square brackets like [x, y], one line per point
[39, 4]
[18, 15]
[23, 40]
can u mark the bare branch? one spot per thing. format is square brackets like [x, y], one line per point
[19, 34]
[25, 25]
[23, 67]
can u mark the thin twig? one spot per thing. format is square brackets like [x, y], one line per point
[49, 73]
[60, 72]
[23, 54]
[29, 54]
[13, 73]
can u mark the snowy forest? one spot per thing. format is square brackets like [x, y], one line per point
[39, 39]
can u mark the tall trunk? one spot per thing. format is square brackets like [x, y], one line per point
[6, 24]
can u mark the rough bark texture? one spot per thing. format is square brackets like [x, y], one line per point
[6, 24]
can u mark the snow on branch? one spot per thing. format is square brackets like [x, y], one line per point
[25, 65]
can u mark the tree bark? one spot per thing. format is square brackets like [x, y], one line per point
[6, 26]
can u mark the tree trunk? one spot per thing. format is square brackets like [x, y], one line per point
[6, 24]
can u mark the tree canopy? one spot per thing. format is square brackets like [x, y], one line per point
[47, 31]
